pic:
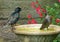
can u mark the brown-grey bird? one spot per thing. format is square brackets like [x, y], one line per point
[47, 21]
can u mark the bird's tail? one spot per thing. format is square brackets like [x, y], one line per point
[6, 25]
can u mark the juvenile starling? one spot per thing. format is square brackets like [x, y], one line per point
[47, 21]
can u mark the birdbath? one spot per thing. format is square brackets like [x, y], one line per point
[32, 33]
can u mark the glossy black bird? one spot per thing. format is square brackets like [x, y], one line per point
[14, 16]
[47, 21]
[7, 30]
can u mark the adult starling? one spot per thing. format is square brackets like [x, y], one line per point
[6, 31]
[47, 21]
[14, 16]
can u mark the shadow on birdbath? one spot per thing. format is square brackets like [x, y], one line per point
[32, 33]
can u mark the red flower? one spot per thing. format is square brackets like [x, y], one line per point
[43, 10]
[41, 15]
[33, 4]
[29, 22]
[29, 16]
[59, 0]
[57, 20]
[33, 21]
[38, 9]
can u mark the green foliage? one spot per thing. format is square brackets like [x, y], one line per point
[54, 11]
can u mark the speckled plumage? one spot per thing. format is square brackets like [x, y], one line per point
[14, 16]
[6, 31]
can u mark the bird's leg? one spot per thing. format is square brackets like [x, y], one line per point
[12, 27]
[41, 28]
[47, 28]
[16, 24]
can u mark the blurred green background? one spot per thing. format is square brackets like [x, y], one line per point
[8, 6]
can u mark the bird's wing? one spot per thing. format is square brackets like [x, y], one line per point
[12, 18]
[45, 22]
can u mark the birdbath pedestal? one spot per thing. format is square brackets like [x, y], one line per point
[31, 33]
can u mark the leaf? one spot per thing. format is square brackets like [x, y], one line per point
[55, 41]
[56, 5]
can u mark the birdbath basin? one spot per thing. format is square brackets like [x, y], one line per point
[32, 33]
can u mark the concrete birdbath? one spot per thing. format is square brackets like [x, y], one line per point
[32, 33]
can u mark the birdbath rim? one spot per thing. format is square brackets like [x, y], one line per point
[33, 29]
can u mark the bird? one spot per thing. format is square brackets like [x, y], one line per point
[46, 22]
[7, 30]
[14, 17]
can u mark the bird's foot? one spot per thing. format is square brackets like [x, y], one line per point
[16, 24]
[41, 28]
